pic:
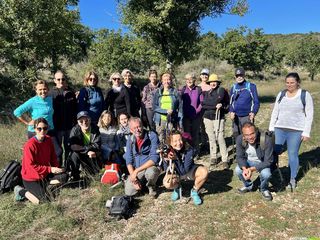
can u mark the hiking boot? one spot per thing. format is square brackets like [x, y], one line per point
[266, 194]
[195, 197]
[152, 191]
[175, 194]
[225, 165]
[244, 190]
[17, 195]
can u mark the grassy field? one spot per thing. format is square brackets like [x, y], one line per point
[225, 214]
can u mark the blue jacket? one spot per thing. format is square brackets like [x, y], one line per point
[176, 102]
[147, 152]
[184, 162]
[37, 107]
[91, 99]
[243, 101]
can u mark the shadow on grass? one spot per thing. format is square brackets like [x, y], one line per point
[267, 99]
[218, 181]
[308, 160]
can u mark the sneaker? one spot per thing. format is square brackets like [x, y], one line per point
[244, 190]
[267, 195]
[195, 197]
[291, 185]
[17, 195]
[175, 194]
[152, 192]
[225, 165]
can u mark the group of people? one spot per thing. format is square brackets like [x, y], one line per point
[85, 130]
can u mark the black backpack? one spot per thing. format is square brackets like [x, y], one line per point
[10, 176]
[121, 207]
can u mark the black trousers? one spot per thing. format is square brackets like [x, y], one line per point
[91, 166]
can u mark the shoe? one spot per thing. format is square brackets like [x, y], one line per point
[17, 195]
[214, 161]
[195, 197]
[152, 192]
[244, 190]
[175, 194]
[225, 165]
[292, 185]
[266, 194]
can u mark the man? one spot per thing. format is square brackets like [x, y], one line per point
[85, 143]
[192, 98]
[65, 111]
[141, 159]
[134, 92]
[254, 155]
[244, 102]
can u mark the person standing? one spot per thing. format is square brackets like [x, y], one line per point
[134, 93]
[291, 121]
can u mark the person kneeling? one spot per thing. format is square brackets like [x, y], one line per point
[181, 155]
[252, 157]
[141, 159]
[40, 167]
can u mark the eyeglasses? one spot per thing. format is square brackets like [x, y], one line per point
[83, 121]
[60, 79]
[42, 128]
[92, 79]
[116, 79]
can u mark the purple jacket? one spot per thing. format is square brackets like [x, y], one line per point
[192, 99]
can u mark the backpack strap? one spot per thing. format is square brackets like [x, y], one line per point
[282, 94]
[303, 100]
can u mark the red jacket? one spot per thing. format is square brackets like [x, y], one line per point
[38, 157]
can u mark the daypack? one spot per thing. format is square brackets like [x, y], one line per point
[302, 98]
[111, 174]
[236, 92]
[10, 176]
[121, 207]
[262, 139]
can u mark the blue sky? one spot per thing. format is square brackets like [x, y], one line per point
[273, 16]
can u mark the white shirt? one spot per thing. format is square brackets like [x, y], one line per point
[252, 153]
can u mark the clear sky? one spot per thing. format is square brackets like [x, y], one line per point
[273, 16]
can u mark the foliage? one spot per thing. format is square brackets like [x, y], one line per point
[209, 45]
[249, 49]
[112, 52]
[173, 26]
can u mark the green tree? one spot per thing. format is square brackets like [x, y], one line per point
[173, 26]
[249, 49]
[308, 54]
[209, 45]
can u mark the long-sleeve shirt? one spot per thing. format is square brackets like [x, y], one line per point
[148, 94]
[290, 114]
[118, 101]
[184, 162]
[192, 99]
[38, 158]
[38, 107]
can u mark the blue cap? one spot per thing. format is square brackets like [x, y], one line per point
[82, 114]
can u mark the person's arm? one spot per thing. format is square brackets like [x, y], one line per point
[188, 160]
[256, 102]
[144, 95]
[275, 113]
[23, 108]
[231, 109]
[309, 117]
[126, 99]
[53, 157]
[200, 99]
[83, 100]
[268, 155]
[180, 110]
[240, 153]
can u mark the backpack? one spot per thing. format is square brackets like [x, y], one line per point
[302, 98]
[111, 174]
[121, 207]
[10, 176]
[236, 92]
[262, 139]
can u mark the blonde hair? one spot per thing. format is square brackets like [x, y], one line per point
[115, 74]
[87, 77]
[101, 124]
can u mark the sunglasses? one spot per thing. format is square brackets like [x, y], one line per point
[83, 121]
[239, 75]
[60, 79]
[42, 128]
[92, 79]
[116, 79]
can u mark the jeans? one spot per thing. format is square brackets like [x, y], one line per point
[293, 140]
[265, 175]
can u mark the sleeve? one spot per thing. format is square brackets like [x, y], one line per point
[309, 115]
[226, 101]
[156, 104]
[154, 156]
[268, 155]
[144, 95]
[53, 157]
[231, 109]
[199, 108]
[83, 100]
[127, 100]
[128, 153]
[240, 153]
[107, 102]
[96, 141]
[274, 114]
[23, 108]
[188, 160]
[180, 110]
[256, 102]
[138, 93]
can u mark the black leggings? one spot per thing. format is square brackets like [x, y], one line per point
[40, 188]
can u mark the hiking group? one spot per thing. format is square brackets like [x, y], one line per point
[159, 130]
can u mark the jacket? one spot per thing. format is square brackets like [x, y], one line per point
[265, 156]
[118, 102]
[135, 100]
[184, 162]
[148, 94]
[210, 100]
[176, 102]
[65, 108]
[147, 152]
[76, 138]
[191, 101]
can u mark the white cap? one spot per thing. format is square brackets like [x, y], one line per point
[205, 71]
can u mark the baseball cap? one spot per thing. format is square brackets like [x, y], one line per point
[205, 71]
[82, 114]
[239, 71]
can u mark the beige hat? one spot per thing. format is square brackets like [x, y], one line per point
[213, 78]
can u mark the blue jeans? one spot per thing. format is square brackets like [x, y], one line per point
[293, 140]
[265, 175]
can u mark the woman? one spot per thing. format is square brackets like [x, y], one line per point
[108, 133]
[181, 156]
[167, 107]
[291, 121]
[117, 97]
[148, 95]
[134, 93]
[90, 97]
[39, 106]
[215, 104]
[123, 131]
[40, 166]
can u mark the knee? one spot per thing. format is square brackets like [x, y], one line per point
[201, 172]
[265, 173]
[238, 171]
[152, 172]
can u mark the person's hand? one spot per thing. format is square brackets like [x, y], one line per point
[56, 170]
[232, 115]
[304, 138]
[246, 173]
[92, 154]
[219, 105]
[172, 155]
[133, 176]
[169, 111]
[251, 116]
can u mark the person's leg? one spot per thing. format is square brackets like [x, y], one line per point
[246, 183]
[293, 144]
[74, 165]
[195, 133]
[130, 189]
[65, 143]
[151, 175]
[57, 146]
[265, 176]
[280, 139]
[221, 140]
[59, 139]
[236, 127]
[187, 125]
[209, 127]
[34, 191]
[161, 128]
[150, 113]
[200, 177]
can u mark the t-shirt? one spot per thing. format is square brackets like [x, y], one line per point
[166, 103]
[252, 153]
[86, 138]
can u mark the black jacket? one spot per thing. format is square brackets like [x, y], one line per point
[135, 100]
[65, 108]
[210, 100]
[76, 138]
[265, 156]
[118, 102]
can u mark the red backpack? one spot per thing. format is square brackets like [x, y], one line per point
[111, 174]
